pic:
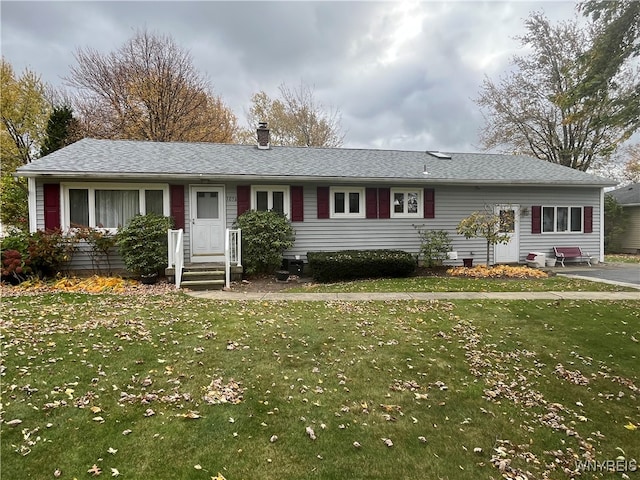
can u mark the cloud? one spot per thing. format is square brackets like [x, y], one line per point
[403, 74]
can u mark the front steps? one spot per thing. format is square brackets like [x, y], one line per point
[205, 276]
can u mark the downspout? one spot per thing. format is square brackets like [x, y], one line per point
[601, 259]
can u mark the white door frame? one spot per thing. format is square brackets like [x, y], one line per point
[510, 252]
[211, 249]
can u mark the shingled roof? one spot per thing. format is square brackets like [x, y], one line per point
[628, 195]
[130, 159]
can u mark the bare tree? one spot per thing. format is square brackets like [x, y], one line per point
[148, 89]
[533, 110]
[296, 118]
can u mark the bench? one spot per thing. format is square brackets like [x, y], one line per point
[563, 253]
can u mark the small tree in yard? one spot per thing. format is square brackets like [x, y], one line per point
[485, 224]
[265, 237]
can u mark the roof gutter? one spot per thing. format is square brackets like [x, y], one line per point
[296, 178]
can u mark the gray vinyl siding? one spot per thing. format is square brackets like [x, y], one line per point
[452, 203]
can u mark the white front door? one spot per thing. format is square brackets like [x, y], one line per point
[509, 224]
[207, 223]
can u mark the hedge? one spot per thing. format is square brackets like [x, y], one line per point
[351, 264]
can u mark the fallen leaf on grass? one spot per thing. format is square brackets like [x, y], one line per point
[190, 414]
[95, 470]
[630, 426]
[115, 472]
[387, 442]
[13, 423]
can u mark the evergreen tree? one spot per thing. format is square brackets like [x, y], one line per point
[59, 130]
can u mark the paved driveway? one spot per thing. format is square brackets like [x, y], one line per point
[626, 273]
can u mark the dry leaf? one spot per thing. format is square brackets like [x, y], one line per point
[112, 451]
[311, 433]
[95, 470]
[630, 426]
[114, 472]
[387, 442]
[13, 423]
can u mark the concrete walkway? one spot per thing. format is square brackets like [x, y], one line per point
[328, 297]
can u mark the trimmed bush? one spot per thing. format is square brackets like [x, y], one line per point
[143, 244]
[351, 264]
[265, 237]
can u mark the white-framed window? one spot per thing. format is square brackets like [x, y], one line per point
[271, 197]
[347, 202]
[406, 203]
[562, 219]
[110, 206]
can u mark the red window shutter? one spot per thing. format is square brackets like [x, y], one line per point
[371, 202]
[384, 203]
[297, 204]
[323, 202]
[51, 206]
[429, 203]
[243, 194]
[536, 219]
[588, 220]
[176, 202]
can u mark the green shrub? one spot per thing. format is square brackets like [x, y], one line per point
[143, 244]
[350, 264]
[434, 245]
[265, 237]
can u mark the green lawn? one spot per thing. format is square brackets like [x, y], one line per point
[459, 284]
[462, 390]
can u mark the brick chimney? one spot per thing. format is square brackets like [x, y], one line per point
[263, 136]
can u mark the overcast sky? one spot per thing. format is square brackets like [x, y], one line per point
[403, 74]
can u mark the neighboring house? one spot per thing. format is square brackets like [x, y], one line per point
[629, 199]
[336, 198]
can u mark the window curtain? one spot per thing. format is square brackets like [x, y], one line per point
[114, 208]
